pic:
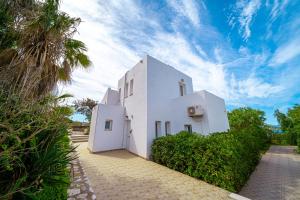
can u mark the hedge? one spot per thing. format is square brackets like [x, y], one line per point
[223, 159]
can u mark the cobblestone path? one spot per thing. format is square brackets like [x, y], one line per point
[122, 175]
[277, 176]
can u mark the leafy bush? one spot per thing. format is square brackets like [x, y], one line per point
[280, 139]
[252, 121]
[34, 148]
[223, 159]
[290, 125]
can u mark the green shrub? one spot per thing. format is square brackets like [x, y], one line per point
[223, 159]
[280, 139]
[34, 149]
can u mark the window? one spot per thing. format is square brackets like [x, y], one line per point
[126, 90]
[182, 89]
[157, 129]
[188, 128]
[108, 125]
[168, 128]
[131, 87]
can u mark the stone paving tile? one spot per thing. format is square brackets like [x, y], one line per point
[122, 175]
[80, 187]
[277, 176]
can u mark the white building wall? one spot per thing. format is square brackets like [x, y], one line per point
[136, 108]
[93, 127]
[162, 86]
[156, 97]
[217, 114]
[180, 105]
[111, 97]
[101, 140]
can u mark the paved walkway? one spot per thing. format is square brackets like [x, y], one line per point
[277, 176]
[122, 175]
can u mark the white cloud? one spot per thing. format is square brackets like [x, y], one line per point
[217, 52]
[253, 87]
[188, 9]
[286, 52]
[278, 8]
[201, 51]
[118, 34]
[246, 11]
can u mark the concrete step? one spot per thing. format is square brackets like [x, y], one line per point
[79, 136]
[79, 140]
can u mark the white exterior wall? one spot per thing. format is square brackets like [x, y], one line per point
[101, 140]
[111, 97]
[163, 86]
[180, 116]
[136, 108]
[156, 97]
[93, 127]
[217, 114]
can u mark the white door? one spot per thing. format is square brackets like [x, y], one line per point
[129, 134]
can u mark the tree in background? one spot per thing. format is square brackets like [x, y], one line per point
[36, 46]
[85, 107]
[250, 121]
[286, 125]
[290, 124]
[242, 118]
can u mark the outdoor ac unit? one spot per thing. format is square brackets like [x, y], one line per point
[195, 111]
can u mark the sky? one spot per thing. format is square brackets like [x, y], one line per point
[247, 52]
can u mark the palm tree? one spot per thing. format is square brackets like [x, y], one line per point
[44, 51]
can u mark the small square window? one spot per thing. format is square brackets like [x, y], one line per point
[108, 125]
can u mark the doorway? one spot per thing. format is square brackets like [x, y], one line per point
[128, 134]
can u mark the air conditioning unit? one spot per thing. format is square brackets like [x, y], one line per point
[195, 111]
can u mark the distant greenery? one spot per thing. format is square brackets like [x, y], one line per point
[290, 125]
[85, 107]
[253, 121]
[224, 159]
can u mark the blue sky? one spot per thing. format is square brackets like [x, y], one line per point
[247, 52]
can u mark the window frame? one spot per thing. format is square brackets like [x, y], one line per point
[167, 127]
[131, 87]
[188, 128]
[182, 88]
[110, 125]
[157, 129]
[126, 90]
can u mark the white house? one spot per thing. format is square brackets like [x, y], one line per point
[153, 99]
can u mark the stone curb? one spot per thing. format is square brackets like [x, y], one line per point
[237, 197]
[80, 187]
